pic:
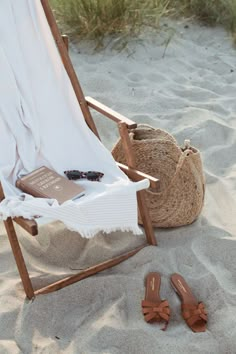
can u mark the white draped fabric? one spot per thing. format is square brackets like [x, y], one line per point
[41, 124]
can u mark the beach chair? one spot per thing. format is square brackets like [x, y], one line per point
[31, 226]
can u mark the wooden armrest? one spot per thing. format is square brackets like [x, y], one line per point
[136, 175]
[108, 112]
[29, 225]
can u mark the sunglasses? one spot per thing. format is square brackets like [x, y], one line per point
[89, 175]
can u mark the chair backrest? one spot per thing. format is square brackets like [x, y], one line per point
[37, 83]
[68, 65]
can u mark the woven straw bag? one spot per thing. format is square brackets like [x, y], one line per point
[182, 184]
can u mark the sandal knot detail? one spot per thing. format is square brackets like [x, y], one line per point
[193, 312]
[154, 309]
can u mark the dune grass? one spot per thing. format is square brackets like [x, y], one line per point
[211, 12]
[98, 18]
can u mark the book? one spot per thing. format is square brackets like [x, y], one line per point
[46, 183]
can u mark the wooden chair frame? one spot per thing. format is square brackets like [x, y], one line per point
[124, 124]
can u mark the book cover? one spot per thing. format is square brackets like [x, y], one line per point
[46, 183]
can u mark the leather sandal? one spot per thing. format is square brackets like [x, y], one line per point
[154, 309]
[193, 312]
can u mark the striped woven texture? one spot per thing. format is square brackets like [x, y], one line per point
[182, 183]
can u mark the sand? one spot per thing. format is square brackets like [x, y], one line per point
[188, 88]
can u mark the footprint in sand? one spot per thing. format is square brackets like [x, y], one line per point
[135, 77]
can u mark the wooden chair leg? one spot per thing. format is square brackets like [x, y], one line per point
[87, 272]
[30, 293]
[147, 224]
[19, 258]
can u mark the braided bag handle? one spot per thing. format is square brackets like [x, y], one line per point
[185, 153]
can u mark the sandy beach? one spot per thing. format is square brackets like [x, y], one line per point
[187, 87]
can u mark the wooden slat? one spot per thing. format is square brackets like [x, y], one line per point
[11, 233]
[146, 218]
[87, 272]
[140, 194]
[136, 176]
[126, 145]
[68, 66]
[109, 113]
[29, 225]
[19, 258]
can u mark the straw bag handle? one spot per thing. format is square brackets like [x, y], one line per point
[184, 154]
[180, 163]
[144, 125]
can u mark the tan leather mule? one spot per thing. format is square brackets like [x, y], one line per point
[193, 312]
[154, 309]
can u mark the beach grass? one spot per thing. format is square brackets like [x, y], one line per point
[95, 19]
[210, 12]
[98, 18]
